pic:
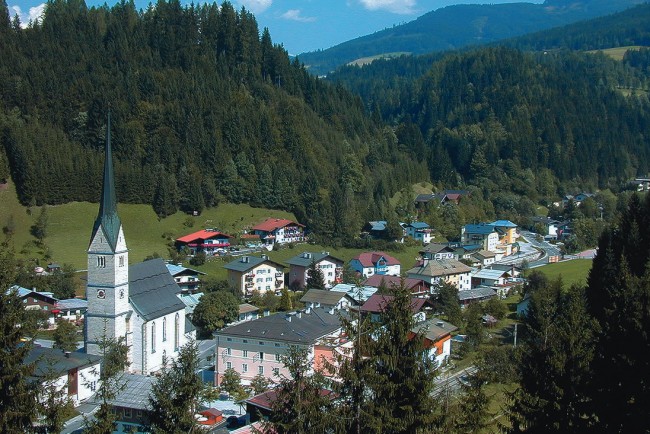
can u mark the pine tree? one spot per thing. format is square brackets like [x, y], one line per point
[175, 395]
[301, 404]
[111, 382]
[558, 347]
[17, 395]
[402, 374]
[618, 296]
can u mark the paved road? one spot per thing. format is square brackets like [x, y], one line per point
[548, 249]
[531, 250]
[449, 383]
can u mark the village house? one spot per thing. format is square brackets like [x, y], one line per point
[371, 263]
[483, 233]
[256, 347]
[247, 312]
[281, 231]
[71, 309]
[327, 299]
[437, 338]
[484, 258]
[75, 372]
[187, 279]
[438, 251]
[209, 241]
[444, 270]
[489, 277]
[331, 267]
[480, 293]
[377, 303]
[419, 231]
[416, 287]
[360, 294]
[252, 273]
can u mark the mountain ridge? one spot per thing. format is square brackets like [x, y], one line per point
[458, 26]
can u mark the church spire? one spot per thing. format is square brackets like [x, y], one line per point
[107, 218]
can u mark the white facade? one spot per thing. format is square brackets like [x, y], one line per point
[154, 339]
[263, 278]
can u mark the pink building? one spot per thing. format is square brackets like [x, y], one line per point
[256, 347]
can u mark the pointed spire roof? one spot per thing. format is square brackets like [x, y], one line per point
[107, 218]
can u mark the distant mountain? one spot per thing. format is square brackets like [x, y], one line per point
[458, 26]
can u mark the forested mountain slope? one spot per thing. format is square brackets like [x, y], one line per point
[203, 109]
[461, 25]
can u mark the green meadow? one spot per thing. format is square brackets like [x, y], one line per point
[574, 271]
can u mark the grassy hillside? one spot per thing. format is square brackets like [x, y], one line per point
[618, 52]
[575, 271]
[70, 226]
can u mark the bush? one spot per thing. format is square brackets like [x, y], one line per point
[198, 259]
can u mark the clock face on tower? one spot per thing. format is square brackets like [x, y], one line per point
[121, 293]
[101, 293]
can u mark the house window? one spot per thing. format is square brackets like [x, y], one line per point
[260, 279]
[101, 262]
[261, 354]
[261, 343]
[153, 337]
[277, 358]
[229, 351]
[164, 329]
[228, 365]
[244, 367]
[260, 370]
[121, 261]
[277, 344]
[128, 413]
[245, 353]
[269, 279]
[229, 339]
[176, 331]
[276, 371]
[268, 287]
[245, 341]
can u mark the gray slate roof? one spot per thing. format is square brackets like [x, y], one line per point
[326, 298]
[246, 263]
[440, 267]
[152, 290]
[434, 328]
[304, 259]
[135, 394]
[304, 330]
[478, 292]
[50, 359]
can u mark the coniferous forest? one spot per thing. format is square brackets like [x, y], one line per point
[206, 109]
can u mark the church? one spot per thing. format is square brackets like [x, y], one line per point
[138, 302]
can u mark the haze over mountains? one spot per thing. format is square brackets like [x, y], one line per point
[459, 26]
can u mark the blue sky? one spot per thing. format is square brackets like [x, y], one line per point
[306, 25]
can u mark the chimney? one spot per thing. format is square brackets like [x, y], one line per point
[265, 257]
[308, 311]
[318, 304]
[299, 314]
[288, 317]
[244, 259]
[67, 354]
[331, 311]
[267, 312]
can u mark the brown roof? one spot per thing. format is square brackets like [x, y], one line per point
[439, 268]
[377, 303]
[434, 329]
[393, 282]
[245, 308]
[326, 298]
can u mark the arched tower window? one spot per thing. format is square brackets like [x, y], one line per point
[177, 330]
[153, 337]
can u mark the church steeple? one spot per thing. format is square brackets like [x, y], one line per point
[107, 218]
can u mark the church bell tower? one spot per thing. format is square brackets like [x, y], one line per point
[107, 290]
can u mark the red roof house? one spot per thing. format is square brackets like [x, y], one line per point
[414, 286]
[371, 263]
[377, 303]
[207, 240]
[273, 230]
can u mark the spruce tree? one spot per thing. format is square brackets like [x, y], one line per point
[618, 296]
[65, 336]
[175, 396]
[301, 403]
[17, 395]
[402, 374]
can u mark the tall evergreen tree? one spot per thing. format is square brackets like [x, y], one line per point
[402, 375]
[301, 404]
[175, 395]
[558, 346]
[17, 395]
[618, 296]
